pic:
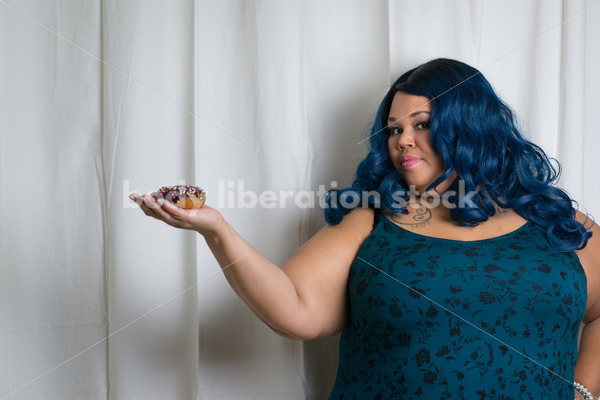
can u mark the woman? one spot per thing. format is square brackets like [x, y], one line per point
[467, 276]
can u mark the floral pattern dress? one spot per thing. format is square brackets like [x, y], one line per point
[435, 318]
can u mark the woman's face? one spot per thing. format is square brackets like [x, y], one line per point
[409, 144]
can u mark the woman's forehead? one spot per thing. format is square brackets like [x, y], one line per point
[408, 105]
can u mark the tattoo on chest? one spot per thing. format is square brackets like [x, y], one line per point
[419, 218]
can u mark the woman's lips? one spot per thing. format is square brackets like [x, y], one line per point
[408, 161]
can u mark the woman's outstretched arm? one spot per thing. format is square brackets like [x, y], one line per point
[306, 297]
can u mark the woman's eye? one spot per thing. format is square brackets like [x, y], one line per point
[423, 125]
[394, 131]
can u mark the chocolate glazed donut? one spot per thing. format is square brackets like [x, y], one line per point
[183, 196]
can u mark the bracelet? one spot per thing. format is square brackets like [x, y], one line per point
[583, 390]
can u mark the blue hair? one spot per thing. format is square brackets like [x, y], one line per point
[475, 133]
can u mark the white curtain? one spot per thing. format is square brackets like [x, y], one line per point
[99, 98]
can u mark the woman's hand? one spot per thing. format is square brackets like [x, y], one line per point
[205, 220]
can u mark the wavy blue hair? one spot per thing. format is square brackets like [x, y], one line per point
[476, 135]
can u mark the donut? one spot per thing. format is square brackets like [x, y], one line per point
[183, 196]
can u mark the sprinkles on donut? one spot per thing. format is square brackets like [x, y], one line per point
[184, 196]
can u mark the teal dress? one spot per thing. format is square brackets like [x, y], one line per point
[435, 318]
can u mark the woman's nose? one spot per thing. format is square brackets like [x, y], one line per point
[406, 139]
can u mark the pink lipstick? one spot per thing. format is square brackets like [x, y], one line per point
[409, 161]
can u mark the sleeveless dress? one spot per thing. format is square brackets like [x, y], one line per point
[435, 318]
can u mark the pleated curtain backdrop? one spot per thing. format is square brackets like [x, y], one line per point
[100, 98]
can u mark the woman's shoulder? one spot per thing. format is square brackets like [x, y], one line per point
[360, 218]
[593, 243]
[589, 257]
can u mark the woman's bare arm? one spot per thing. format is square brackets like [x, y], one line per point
[587, 369]
[306, 297]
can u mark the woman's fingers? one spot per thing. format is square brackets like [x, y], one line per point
[151, 207]
[163, 210]
[159, 208]
[173, 213]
